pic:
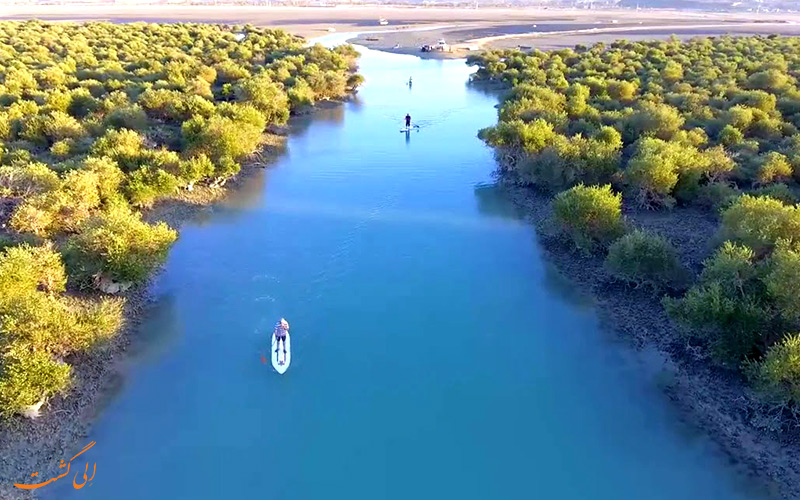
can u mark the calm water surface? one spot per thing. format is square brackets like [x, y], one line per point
[435, 356]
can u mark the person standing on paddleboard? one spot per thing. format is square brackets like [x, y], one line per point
[281, 328]
[408, 120]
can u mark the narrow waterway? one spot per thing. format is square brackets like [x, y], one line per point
[435, 355]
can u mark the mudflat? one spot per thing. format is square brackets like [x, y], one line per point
[464, 30]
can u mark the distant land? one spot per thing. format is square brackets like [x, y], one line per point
[760, 6]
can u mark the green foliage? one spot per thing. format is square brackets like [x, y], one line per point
[123, 146]
[40, 325]
[264, 95]
[777, 376]
[590, 215]
[774, 168]
[28, 377]
[782, 278]
[27, 180]
[724, 307]
[780, 192]
[717, 195]
[25, 269]
[119, 245]
[653, 120]
[759, 222]
[233, 135]
[660, 169]
[645, 258]
[713, 102]
[130, 117]
[730, 136]
[195, 169]
[147, 184]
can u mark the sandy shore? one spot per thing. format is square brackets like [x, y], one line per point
[465, 28]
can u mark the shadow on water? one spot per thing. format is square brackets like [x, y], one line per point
[493, 90]
[493, 201]
[330, 112]
[158, 330]
[156, 334]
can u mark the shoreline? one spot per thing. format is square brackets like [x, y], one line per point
[712, 399]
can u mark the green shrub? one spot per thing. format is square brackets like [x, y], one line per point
[730, 136]
[27, 180]
[759, 222]
[58, 126]
[220, 136]
[195, 169]
[782, 279]
[62, 148]
[130, 117]
[147, 184]
[264, 95]
[725, 307]
[121, 145]
[780, 192]
[41, 325]
[774, 168]
[777, 376]
[63, 209]
[300, 94]
[109, 177]
[653, 120]
[656, 167]
[119, 245]
[28, 377]
[24, 269]
[717, 195]
[645, 258]
[590, 215]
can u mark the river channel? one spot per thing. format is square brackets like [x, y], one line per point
[436, 355]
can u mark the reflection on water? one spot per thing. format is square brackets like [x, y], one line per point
[158, 329]
[249, 192]
[493, 202]
[332, 112]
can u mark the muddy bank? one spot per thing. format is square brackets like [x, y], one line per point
[716, 400]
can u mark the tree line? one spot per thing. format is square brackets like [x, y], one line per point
[99, 121]
[711, 123]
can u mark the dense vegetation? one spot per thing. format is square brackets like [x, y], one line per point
[100, 120]
[711, 123]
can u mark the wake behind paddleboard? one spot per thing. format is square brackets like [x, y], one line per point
[281, 360]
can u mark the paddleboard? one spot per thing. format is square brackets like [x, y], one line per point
[280, 361]
[406, 129]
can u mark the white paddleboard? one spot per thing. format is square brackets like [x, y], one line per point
[280, 361]
[407, 129]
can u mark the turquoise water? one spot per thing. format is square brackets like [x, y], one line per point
[435, 354]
